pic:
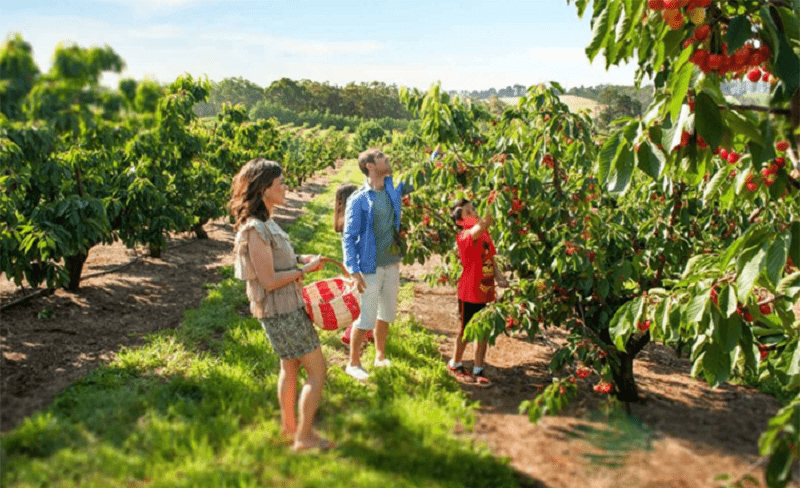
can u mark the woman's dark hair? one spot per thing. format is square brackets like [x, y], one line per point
[247, 190]
[457, 209]
[342, 194]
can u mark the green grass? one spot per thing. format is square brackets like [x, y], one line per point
[197, 407]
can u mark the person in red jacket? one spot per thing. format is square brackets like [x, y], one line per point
[476, 286]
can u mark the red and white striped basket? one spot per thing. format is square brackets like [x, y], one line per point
[333, 303]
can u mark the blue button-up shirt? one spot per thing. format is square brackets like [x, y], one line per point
[358, 235]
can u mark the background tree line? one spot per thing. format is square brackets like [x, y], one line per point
[372, 100]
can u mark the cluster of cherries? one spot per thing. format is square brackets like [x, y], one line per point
[747, 60]
[671, 10]
[768, 173]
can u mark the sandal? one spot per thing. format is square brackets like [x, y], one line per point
[460, 373]
[482, 381]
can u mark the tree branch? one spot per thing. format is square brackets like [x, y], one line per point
[757, 108]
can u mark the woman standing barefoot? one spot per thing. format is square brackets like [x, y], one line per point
[265, 258]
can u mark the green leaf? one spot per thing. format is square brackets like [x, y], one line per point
[649, 161]
[621, 325]
[750, 265]
[740, 124]
[603, 289]
[727, 301]
[739, 31]
[779, 467]
[680, 84]
[716, 364]
[790, 25]
[776, 257]
[696, 308]
[787, 65]
[599, 33]
[708, 119]
[789, 285]
[727, 332]
[621, 170]
[607, 155]
[672, 135]
[794, 365]
[794, 248]
[690, 265]
[716, 182]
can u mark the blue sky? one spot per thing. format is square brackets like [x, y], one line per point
[466, 45]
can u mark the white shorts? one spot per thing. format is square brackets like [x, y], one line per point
[379, 300]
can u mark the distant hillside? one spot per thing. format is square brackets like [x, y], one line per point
[574, 103]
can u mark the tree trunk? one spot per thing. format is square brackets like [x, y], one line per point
[199, 232]
[624, 380]
[155, 250]
[75, 268]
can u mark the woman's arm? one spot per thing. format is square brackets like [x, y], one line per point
[501, 280]
[261, 257]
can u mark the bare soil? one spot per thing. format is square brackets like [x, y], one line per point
[683, 436]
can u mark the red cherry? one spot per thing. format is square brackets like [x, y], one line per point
[655, 4]
[699, 57]
[764, 309]
[754, 75]
[782, 146]
[733, 157]
[701, 32]
[723, 153]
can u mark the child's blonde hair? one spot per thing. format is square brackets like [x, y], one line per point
[342, 194]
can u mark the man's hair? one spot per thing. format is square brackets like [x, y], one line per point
[457, 209]
[368, 156]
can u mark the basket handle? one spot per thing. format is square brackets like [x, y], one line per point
[325, 259]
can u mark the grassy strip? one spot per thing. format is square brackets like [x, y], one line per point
[197, 406]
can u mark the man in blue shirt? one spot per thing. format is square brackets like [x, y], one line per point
[372, 218]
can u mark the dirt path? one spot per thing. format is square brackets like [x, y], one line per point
[684, 435]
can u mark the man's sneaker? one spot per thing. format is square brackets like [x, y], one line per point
[356, 372]
[383, 363]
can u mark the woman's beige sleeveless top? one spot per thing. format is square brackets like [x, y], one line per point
[264, 303]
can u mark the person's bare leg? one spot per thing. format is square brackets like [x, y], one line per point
[480, 353]
[356, 339]
[314, 364]
[460, 347]
[381, 331]
[287, 396]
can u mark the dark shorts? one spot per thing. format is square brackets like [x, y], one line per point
[466, 310]
[292, 334]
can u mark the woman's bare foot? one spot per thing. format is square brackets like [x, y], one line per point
[314, 442]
